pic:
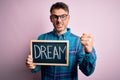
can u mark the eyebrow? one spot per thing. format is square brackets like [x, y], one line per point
[58, 15]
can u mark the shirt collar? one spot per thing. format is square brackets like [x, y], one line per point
[65, 34]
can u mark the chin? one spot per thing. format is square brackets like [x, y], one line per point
[59, 30]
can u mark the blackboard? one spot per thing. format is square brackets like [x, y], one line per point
[50, 52]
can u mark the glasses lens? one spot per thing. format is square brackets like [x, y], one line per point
[62, 17]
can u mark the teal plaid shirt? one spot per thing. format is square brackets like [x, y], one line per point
[77, 57]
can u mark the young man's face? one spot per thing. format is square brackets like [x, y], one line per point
[60, 19]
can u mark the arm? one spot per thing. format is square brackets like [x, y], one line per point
[30, 65]
[87, 64]
[29, 60]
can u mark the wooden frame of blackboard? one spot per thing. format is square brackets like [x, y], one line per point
[55, 42]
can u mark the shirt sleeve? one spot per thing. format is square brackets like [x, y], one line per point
[86, 61]
[38, 68]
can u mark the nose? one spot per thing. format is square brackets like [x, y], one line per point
[59, 19]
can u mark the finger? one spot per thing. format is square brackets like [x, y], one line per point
[28, 63]
[87, 35]
[86, 42]
[84, 39]
[90, 36]
[32, 67]
[29, 56]
[29, 60]
[84, 35]
[87, 39]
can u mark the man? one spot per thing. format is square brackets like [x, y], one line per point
[81, 51]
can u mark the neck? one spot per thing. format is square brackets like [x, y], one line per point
[62, 32]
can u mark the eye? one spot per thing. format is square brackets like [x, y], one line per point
[63, 16]
[54, 16]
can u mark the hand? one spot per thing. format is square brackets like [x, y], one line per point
[29, 62]
[87, 41]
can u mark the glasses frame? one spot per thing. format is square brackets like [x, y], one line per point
[56, 17]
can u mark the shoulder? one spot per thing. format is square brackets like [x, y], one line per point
[43, 36]
[75, 36]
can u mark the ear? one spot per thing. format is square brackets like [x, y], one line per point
[51, 18]
[68, 17]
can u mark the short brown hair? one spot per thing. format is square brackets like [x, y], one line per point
[59, 5]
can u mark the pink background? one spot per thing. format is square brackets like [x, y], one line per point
[23, 20]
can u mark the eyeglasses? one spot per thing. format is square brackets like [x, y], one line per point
[62, 17]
